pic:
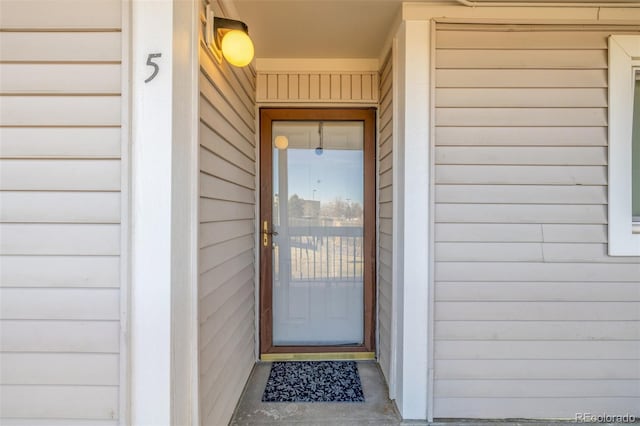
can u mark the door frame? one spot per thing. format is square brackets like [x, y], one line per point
[368, 116]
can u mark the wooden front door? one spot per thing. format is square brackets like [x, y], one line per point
[317, 224]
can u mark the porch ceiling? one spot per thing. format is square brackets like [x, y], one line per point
[318, 29]
[332, 28]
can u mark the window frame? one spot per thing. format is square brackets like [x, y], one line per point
[636, 110]
[624, 60]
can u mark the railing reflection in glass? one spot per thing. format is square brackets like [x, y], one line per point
[323, 253]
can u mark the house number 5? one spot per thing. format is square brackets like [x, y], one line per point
[155, 66]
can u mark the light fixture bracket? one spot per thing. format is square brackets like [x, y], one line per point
[215, 28]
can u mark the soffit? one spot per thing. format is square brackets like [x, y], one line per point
[318, 29]
[332, 28]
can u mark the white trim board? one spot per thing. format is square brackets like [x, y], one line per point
[185, 172]
[151, 214]
[163, 303]
[291, 65]
[414, 129]
[396, 224]
[624, 60]
[126, 215]
[509, 14]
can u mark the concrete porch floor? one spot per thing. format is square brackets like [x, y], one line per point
[376, 410]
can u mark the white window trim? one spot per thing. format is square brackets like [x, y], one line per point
[624, 57]
[636, 72]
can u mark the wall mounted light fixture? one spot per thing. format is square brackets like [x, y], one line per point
[228, 38]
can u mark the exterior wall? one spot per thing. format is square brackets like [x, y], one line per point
[532, 318]
[302, 86]
[385, 209]
[63, 181]
[226, 234]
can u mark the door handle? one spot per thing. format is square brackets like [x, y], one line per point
[266, 232]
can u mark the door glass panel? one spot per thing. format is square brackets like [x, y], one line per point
[318, 216]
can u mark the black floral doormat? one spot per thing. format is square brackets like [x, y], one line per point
[313, 381]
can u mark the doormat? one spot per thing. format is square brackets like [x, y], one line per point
[313, 381]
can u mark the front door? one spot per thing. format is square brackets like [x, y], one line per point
[317, 228]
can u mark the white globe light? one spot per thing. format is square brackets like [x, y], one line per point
[237, 48]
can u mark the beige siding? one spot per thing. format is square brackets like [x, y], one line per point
[385, 220]
[533, 319]
[344, 87]
[226, 234]
[61, 197]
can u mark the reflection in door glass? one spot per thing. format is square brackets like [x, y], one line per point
[318, 215]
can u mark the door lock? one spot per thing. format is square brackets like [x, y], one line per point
[266, 233]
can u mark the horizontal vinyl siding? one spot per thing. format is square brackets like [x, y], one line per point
[533, 319]
[226, 262]
[61, 200]
[385, 219]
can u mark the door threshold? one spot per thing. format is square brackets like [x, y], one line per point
[320, 356]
